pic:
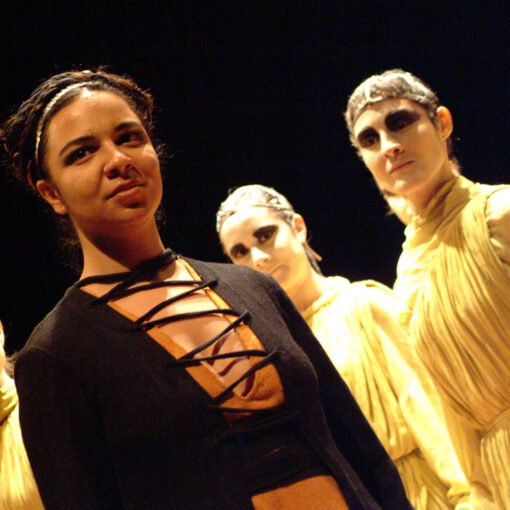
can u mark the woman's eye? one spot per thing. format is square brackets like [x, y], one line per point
[265, 235]
[238, 252]
[400, 120]
[131, 137]
[78, 154]
[368, 138]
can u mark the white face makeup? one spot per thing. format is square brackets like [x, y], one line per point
[405, 152]
[259, 238]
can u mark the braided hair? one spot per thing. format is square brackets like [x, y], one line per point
[24, 133]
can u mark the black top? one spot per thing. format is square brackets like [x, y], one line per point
[110, 420]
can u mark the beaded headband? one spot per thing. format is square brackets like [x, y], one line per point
[40, 125]
[394, 83]
[251, 195]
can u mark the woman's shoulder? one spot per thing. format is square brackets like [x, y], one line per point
[64, 322]
[498, 204]
[497, 213]
[376, 295]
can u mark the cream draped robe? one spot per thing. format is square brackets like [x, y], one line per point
[455, 281]
[18, 490]
[357, 324]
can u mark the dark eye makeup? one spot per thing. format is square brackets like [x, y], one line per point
[368, 137]
[264, 234]
[395, 121]
[237, 251]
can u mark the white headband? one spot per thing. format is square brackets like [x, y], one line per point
[49, 107]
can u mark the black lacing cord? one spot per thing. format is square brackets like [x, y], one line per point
[127, 278]
[268, 358]
[186, 315]
[173, 299]
[124, 288]
[230, 327]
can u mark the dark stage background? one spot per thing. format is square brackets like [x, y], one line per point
[251, 91]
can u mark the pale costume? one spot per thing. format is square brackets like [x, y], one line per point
[18, 490]
[454, 275]
[357, 324]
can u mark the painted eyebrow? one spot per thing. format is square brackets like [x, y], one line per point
[389, 116]
[412, 114]
[89, 138]
[262, 230]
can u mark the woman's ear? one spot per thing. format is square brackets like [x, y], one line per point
[51, 194]
[299, 227]
[445, 119]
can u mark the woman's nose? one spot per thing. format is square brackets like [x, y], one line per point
[259, 257]
[390, 146]
[118, 163]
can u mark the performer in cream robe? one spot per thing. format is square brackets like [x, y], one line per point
[453, 274]
[357, 325]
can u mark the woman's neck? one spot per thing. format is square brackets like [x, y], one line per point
[120, 252]
[419, 199]
[311, 289]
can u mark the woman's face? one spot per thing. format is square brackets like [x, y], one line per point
[103, 170]
[259, 238]
[405, 152]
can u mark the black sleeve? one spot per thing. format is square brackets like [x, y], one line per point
[61, 429]
[351, 431]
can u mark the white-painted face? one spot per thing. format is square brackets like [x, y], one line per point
[403, 149]
[258, 237]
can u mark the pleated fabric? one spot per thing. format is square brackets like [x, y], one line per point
[357, 324]
[458, 294]
[18, 490]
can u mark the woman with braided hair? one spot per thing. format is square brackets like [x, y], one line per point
[159, 381]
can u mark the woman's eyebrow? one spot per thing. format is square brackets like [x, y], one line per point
[262, 230]
[412, 113]
[88, 138]
[76, 141]
[128, 124]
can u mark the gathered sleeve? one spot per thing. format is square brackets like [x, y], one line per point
[498, 222]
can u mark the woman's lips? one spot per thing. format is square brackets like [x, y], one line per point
[400, 166]
[125, 188]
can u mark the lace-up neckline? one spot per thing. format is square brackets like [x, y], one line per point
[132, 282]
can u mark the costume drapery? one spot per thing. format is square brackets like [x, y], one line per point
[357, 324]
[18, 490]
[457, 289]
[129, 428]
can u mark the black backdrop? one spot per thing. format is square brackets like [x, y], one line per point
[252, 91]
